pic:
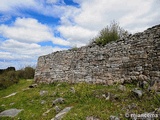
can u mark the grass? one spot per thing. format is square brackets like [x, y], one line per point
[86, 101]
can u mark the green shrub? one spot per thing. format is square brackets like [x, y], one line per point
[20, 74]
[29, 73]
[26, 73]
[9, 76]
[110, 33]
[74, 48]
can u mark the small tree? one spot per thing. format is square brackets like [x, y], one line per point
[29, 73]
[110, 33]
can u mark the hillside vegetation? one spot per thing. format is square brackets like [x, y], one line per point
[85, 99]
[10, 76]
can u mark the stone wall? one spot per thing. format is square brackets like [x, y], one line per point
[136, 57]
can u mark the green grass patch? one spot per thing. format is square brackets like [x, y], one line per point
[86, 101]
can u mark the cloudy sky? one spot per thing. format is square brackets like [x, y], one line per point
[31, 28]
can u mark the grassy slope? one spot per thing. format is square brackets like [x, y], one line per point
[85, 101]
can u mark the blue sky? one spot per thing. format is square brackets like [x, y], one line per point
[31, 28]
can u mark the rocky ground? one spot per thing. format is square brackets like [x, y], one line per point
[27, 101]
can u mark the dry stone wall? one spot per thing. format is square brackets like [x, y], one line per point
[135, 57]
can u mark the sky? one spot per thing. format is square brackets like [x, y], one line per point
[32, 28]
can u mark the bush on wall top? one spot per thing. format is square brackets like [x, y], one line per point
[110, 33]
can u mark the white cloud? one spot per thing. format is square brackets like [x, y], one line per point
[20, 54]
[22, 43]
[60, 41]
[26, 49]
[29, 30]
[76, 35]
[45, 7]
[5, 18]
[26, 30]
[54, 1]
[11, 5]
[77, 24]
[19, 47]
[96, 14]
[5, 55]
[93, 14]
